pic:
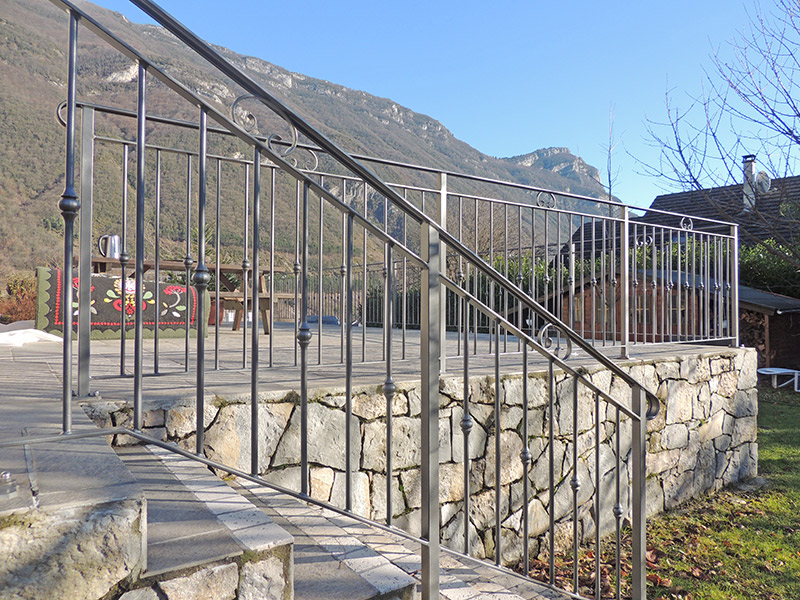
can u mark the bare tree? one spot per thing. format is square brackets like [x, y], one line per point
[748, 105]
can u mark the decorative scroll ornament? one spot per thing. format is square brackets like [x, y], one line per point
[687, 223]
[546, 200]
[553, 344]
[59, 109]
[646, 240]
[247, 120]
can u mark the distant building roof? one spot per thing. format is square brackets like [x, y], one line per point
[727, 204]
[766, 302]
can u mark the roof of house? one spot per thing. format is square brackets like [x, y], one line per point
[766, 302]
[726, 204]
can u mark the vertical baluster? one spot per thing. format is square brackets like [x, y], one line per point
[217, 262]
[475, 281]
[551, 483]
[639, 492]
[320, 289]
[519, 278]
[296, 268]
[558, 305]
[625, 310]
[389, 388]
[547, 269]
[348, 373]
[430, 352]
[85, 250]
[460, 277]
[188, 261]
[69, 205]
[575, 483]
[272, 201]
[607, 277]
[138, 344]
[385, 273]
[201, 279]
[466, 427]
[491, 283]
[571, 282]
[364, 285]
[733, 267]
[618, 508]
[597, 508]
[505, 272]
[255, 303]
[304, 339]
[679, 285]
[618, 328]
[245, 262]
[124, 257]
[582, 289]
[594, 280]
[404, 296]
[534, 291]
[157, 264]
[527, 458]
[497, 447]
[343, 274]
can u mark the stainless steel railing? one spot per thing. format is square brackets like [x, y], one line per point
[512, 288]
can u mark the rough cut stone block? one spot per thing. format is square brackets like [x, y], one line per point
[228, 440]
[668, 369]
[477, 436]
[321, 479]
[511, 467]
[214, 583]
[658, 462]
[695, 369]
[675, 436]
[71, 552]
[728, 384]
[451, 484]
[378, 497]
[745, 403]
[748, 377]
[713, 428]
[181, 421]
[140, 594]
[373, 406]
[326, 438]
[745, 429]
[263, 580]
[679, 396]
[361, 496]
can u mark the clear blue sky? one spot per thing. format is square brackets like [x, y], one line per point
[505, 77]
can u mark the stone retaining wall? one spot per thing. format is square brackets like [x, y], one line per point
[703, 439]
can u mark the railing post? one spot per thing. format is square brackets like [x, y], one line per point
[201, 279]
[69, 205]
[624, 265]
[734, 270]
[85, 261]
[639, 493]
[138, 355]
[443, 269]
[430, 355]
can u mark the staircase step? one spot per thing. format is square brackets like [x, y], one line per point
[330, 562]
[330, 546]
[193, 518]
[71, 517]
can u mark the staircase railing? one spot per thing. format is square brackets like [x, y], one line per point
[575, 423]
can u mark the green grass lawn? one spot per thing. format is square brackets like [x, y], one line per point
[737, 544]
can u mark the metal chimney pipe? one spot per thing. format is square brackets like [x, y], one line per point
[748, 185]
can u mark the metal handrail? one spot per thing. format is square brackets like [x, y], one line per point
[203, 49]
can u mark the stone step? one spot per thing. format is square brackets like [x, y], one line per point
[331, 549]
[72, 523]
[330, 563]
[202, 535]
